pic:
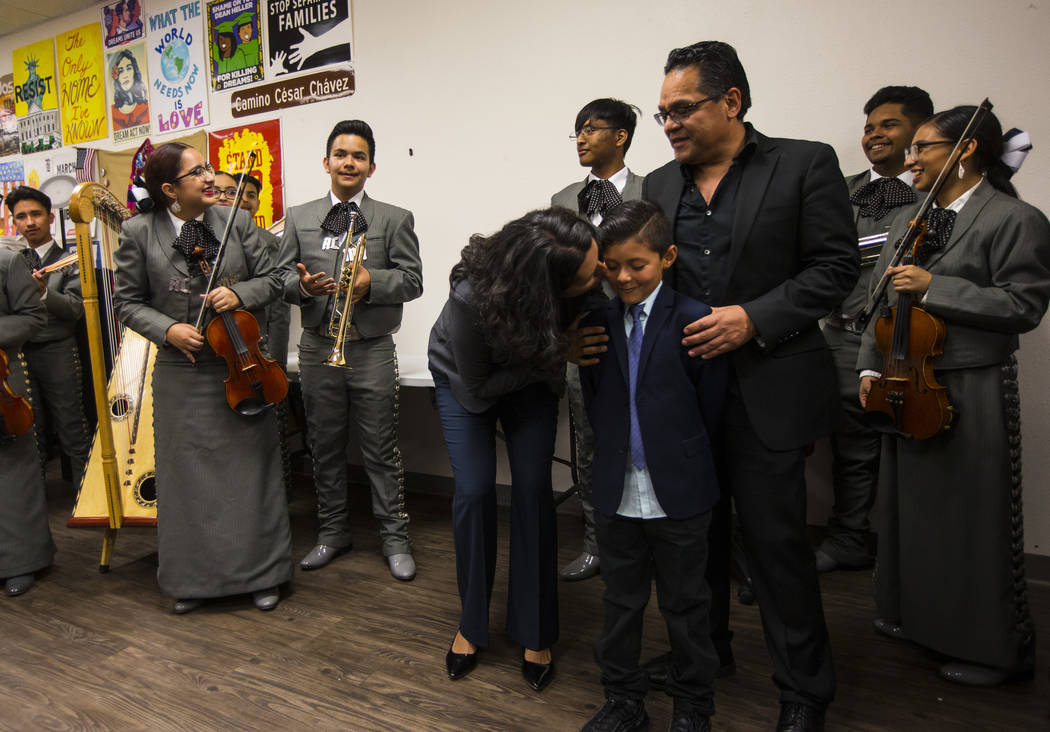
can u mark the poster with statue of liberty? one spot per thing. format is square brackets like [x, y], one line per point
[176, 45]
[36, 97]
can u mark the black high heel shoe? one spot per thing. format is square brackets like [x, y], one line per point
[537, 675]
[459, 665]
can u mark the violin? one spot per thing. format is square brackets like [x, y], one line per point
[253, 382]
[907, 401]
[16, 414]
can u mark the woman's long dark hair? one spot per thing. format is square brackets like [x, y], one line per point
[988, 156]
[137, 93]
[518, 276]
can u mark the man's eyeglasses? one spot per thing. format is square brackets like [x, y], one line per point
[231, 193]
[588, 130]
[918, 147]
[199, 172]
[681, 112]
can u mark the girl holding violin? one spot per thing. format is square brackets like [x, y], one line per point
[497, 353]
[25, 539]
[222, 515]
[950, 569]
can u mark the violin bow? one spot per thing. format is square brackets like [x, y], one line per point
[859, 322]
[248, 165]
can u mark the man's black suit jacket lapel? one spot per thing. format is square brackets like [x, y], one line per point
[754, 182]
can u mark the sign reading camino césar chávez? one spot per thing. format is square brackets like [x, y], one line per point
[332, 83]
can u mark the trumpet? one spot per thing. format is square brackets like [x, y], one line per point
[339, 321]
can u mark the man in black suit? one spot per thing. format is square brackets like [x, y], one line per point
[765, 235]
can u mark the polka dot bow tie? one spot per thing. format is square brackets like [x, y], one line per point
[337, 220]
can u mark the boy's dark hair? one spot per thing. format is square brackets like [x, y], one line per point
[25, 193]
[620, 115]
[353, 127]
[915, 102]
[720, 70]
[638, 218]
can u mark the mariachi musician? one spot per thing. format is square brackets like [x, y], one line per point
[25, 539]
[52, 354]
[222, 525]
[950, 567]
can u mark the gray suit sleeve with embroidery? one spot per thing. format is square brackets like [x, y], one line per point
[403, 279]
[27, 314]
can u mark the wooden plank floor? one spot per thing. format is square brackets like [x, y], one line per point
[350, 648]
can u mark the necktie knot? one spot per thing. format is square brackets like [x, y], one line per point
[636, 312]
[196, 242]
[32, 259]
[939, 225]
[337, 220]
[598, 197]
[882, 195]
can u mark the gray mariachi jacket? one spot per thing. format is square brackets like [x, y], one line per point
[155, 289]
[21, 312]
[391, 258]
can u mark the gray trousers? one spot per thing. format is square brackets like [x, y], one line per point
[855, 461]
[54, 371]
[584, 454]
[365, 396]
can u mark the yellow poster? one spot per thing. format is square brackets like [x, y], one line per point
[35, 86]
[82, 89]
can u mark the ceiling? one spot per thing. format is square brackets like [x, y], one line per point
[18, 15]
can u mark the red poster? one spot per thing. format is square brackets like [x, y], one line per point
[228, 151]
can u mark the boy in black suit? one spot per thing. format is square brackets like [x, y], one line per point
[653, 410]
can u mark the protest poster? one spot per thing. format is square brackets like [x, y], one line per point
[233, 39]
[81, 91]
[36, 97]
[307, 34]
[122, 22]
[175, 49]
[8, 119]
[129, 92]
[228, 151]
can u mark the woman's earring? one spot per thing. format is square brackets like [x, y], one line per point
[961, 171]
[176, 207]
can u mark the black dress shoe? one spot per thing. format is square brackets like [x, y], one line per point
[181, 607]
[973, 674]
[619, 714]
[18, 585]
[890, 629]
[795, 717]
[689, 720]
[459, 665]
[537, 675]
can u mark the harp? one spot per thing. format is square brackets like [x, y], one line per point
[118, 487]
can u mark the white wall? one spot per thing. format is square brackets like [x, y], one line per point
[485, 94]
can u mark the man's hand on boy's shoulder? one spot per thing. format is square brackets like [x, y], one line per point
[586, 344]
[724, 330]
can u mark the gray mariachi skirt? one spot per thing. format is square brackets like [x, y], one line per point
[222, 514]
[25, 538]
[950, 565]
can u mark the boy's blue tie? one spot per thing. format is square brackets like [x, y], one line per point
[634, 352]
